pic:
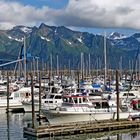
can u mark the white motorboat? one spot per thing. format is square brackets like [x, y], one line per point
[14, 103]
[78, 108]
[51, 100]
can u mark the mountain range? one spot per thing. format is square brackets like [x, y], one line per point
[46, 42]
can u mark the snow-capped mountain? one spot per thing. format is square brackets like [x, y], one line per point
[68, 44]
[116, 35]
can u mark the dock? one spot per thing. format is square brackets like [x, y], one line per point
[79, 128]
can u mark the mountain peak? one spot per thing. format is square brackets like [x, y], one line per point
[116, 35]
[22, 28]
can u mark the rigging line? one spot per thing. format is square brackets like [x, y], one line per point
[11, 62]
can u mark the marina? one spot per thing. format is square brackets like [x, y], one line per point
[69, 70]
[73, 109]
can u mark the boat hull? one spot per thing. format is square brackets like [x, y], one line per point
[62, 117]
[28, 107]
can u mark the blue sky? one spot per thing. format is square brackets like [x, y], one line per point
[83, 15]
[57, 4]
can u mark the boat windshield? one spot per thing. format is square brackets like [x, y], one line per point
[75, 99]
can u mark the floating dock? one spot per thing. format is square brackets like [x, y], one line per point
[79, 128]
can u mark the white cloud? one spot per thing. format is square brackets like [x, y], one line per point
[77, 13]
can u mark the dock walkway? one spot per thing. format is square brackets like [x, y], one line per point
[78, 128]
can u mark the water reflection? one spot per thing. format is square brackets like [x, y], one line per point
[11, 128]
[8, 130]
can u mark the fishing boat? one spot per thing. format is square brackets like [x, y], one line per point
[77, 108]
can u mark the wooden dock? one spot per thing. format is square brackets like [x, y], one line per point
[79, 128]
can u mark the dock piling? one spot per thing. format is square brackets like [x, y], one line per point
[32, 94]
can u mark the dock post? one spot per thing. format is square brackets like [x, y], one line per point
[32, 94]
[117, 92]
[7, 92]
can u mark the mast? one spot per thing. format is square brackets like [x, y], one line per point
[139, 67]
[51, 65]
[105, 72]
[24, 57]
[57, 66]
[89, 63]
[82, 65]
[121, 71]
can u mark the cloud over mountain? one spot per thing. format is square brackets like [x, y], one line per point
[77, 13]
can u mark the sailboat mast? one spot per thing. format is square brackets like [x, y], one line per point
[105, 72]
[57, 65]
[24, 57]
[51, 65]
[82, 65]
[89, 64]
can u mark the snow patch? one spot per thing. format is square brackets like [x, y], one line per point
[116, 36]
[55, 30]
[80, 39]
[69, 42]
[19, 40]
[44, 38]
[16, 39]
[9, 37]
[26, 29]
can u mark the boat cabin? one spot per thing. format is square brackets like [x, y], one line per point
[53, 98]
[76, 100]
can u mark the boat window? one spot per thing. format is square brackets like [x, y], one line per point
[50, 101]
[105, 105]
[36, 86]
[72, 91]
[128, 94]
[65, 99]
[47, 89]
[46, 102]
[54, 90]
[75, 100]
[131, 94]
[16, 94]
[85, 99]
[78, 90]
[51, 96]
[70, 100]
[80, 100]
[26, 94]
[57, 97]
[97, 105]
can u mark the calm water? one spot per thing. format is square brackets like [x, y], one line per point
[11, 128]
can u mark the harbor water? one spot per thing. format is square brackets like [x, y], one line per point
[11, 128]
